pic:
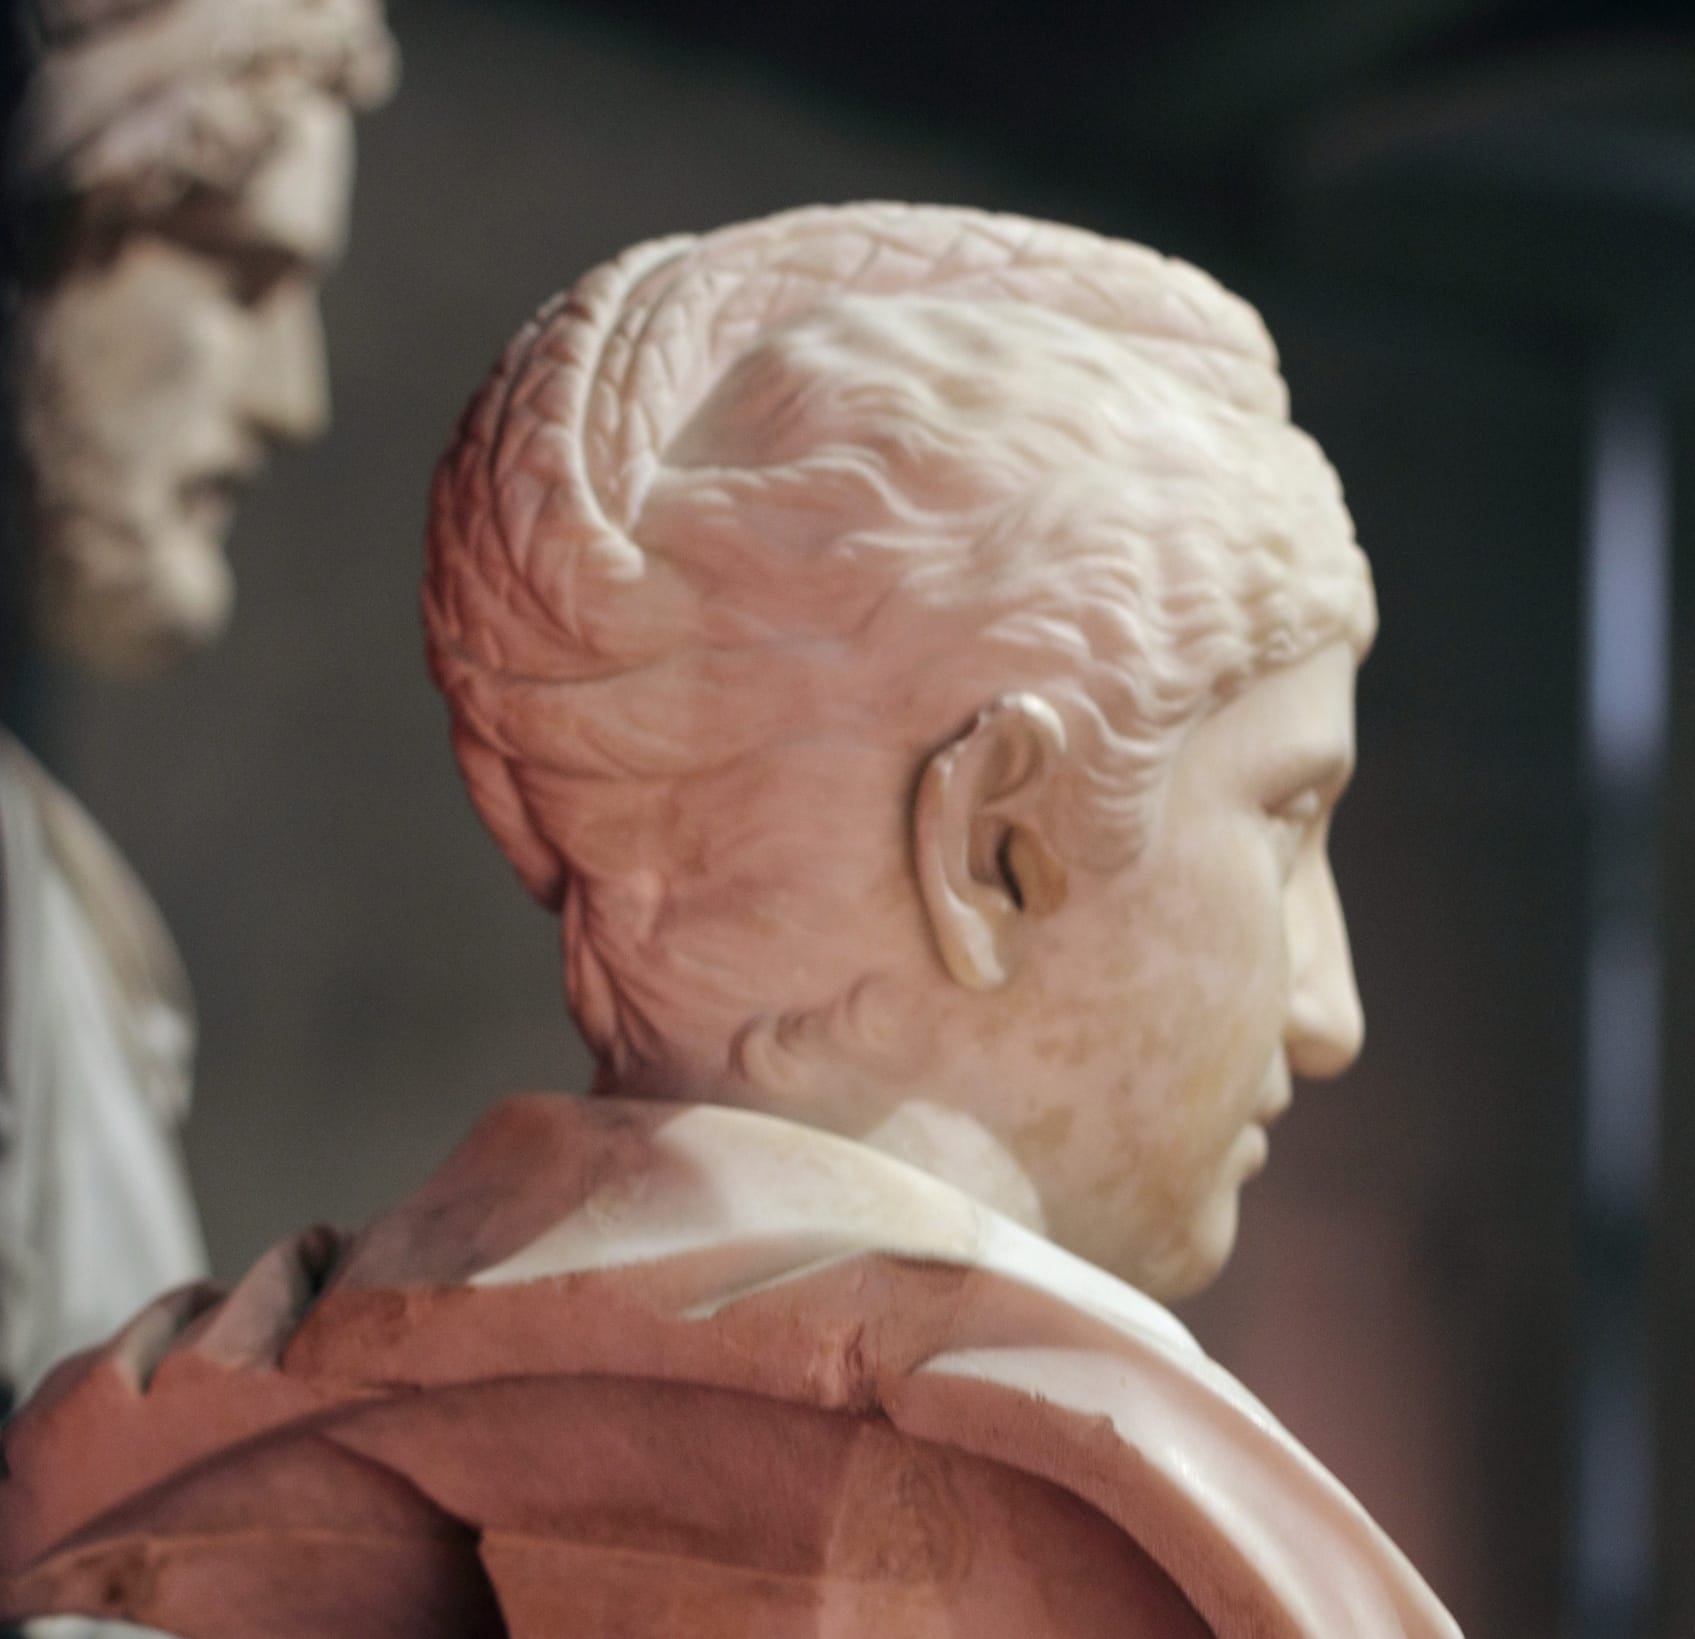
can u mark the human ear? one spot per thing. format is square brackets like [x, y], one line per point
[980, 837]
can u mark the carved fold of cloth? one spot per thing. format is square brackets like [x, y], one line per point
[96, 1039]
[679, 1370]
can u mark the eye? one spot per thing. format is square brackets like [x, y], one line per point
[252, 273]
[1301, 809]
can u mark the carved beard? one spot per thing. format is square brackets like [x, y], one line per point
[131, 592]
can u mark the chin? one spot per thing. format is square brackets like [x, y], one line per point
[1192, 1258]
[132, 642]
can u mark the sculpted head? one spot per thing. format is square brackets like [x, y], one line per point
[913, 652]
[182, 171]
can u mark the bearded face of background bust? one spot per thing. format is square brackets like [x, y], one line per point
[168, 335]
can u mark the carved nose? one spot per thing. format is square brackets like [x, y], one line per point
[288, 381]
[1325, 1027]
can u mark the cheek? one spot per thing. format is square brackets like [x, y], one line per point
[1161, 1037]
[1204, 1021]
[135, 358]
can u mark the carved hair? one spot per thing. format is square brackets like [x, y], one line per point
[131, 104]
[743, 527]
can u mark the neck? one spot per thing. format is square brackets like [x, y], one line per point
[960, 1150]
[947, 1143]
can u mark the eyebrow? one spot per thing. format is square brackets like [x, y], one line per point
[212, 234]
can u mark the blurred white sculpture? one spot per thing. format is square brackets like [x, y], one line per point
[98, 1033]
[184, 168]
[180, 174]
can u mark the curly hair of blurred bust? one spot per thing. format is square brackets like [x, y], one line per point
[132, 105]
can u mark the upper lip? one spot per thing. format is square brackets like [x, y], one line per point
[233, 474]
[239, 465]
[1278, 1096]
[222, 483]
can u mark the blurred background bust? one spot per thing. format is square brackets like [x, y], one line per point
[181, 176]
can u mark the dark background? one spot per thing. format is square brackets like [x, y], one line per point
[1465, 222]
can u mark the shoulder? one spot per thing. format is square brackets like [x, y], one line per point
[641, 1300]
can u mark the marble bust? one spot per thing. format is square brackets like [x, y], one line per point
[922, 694]
[182, 168]
[912, 652]
[179, 178]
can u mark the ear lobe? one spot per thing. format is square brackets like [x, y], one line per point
[980, 837]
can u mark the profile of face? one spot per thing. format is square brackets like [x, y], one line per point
[1143, 1024]
[153, 375]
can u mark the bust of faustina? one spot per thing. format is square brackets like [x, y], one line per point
[912, 652]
